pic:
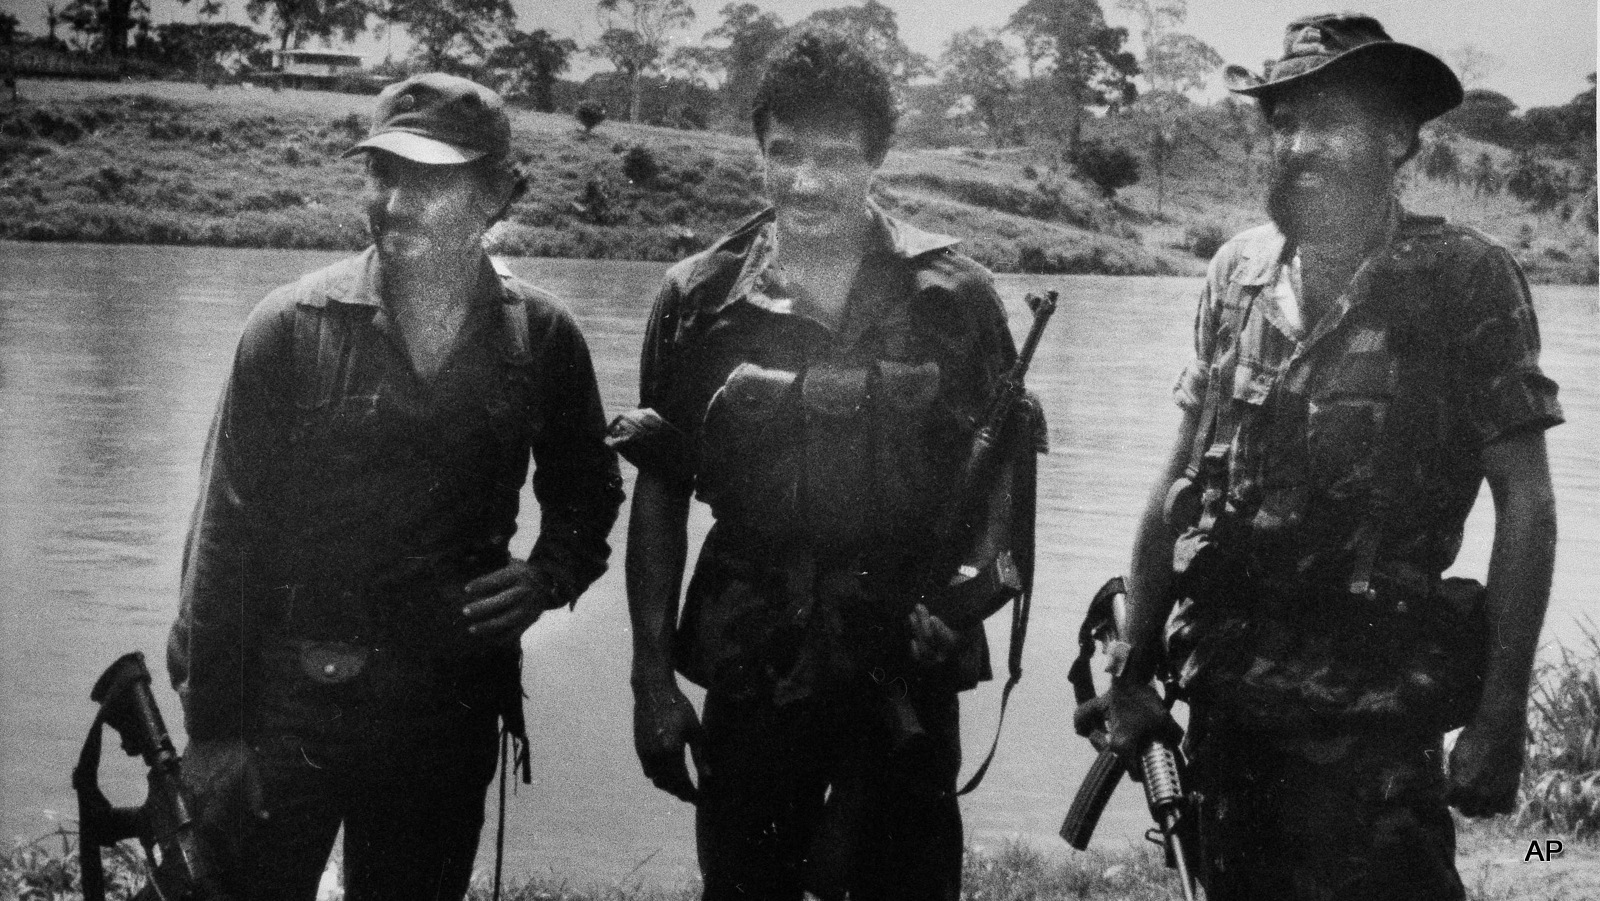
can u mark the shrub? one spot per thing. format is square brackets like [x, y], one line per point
[639, 165]
[1204, 239]
[590, 113]
[1106, 166]
[1561, 782]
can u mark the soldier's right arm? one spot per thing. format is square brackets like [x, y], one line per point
[215, 632]
[664, 721]
[1133, 709]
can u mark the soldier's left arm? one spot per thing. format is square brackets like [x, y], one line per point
[578, 486]
[1486, 764]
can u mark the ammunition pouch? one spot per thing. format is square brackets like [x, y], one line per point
[1295, 659]
[836, 456]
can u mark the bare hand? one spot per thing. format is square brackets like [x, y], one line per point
[507, 601]
[664, 725]
[1131, 717]
[1486, 766]
[226, 784]
[932, 642]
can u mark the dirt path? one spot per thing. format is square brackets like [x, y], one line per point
[1500, 868]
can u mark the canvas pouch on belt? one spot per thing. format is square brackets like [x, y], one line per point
[1304, 661]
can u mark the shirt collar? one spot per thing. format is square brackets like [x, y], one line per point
[756, 241]
[355, 281]
[1263, 251]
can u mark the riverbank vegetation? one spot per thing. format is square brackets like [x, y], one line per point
[1559, 801]
[173, 163]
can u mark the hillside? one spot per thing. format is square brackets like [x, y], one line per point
[164, 162]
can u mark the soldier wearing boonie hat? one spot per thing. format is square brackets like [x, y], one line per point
[348, 645]
[1359, 373]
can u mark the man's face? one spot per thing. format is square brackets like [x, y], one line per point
[416, 211]
[1331, 153]
[817, 176]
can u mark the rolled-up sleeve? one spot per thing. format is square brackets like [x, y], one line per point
[1190, 390]
[1498, 341]
[655, 438]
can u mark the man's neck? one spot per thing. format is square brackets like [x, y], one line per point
[1332, 251]
[432, 280]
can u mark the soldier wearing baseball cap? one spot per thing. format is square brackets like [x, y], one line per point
[1360, 372]
[348, 643]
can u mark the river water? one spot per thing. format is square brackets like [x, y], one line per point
[110, 362]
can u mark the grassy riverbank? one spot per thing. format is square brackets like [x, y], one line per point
[170, 163]
[1560, 800]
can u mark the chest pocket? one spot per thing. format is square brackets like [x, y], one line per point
[333, 411]
[835, 455]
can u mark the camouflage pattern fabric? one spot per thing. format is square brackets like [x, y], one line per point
[1359, 815]
[1303, 412]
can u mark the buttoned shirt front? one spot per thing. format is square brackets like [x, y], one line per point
[335, 474]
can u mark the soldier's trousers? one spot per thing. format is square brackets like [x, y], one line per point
[826, 795]
[1353, 817]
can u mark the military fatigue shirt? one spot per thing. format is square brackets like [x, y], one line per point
[778, 621]
[1306, 459]
[334, 475]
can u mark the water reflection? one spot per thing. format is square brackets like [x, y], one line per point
[112, 357]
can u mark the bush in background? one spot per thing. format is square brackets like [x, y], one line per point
[590, 113]
[1204, 239]
[1106, 166]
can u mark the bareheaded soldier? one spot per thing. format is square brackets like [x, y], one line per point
[348, 646]
[1359, 372]
[814, 377]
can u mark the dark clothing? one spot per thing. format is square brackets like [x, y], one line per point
[1338, 460]
[338, 484]
[823, 451]
[345, 503]
[412, 814]
[783, 614]
[1307, 405]
[1356, 817]
[812, 796]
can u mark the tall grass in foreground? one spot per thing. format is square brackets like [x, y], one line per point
[1561, 785]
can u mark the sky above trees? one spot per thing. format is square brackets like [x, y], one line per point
[1540, 52]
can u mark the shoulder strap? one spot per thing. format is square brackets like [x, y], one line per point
[1416, 318]
[1022, 438]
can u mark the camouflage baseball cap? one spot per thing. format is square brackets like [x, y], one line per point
[438, 120]
[1341, 45]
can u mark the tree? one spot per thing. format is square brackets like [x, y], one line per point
[452, 34]
[1173, 61]
[9, 25]
[1106, 166]
[590, 113]
[194, 46]
[751, 36]
[875, 27]
[296, 21]
[1485, 115]
[1473, 64]
[977, 67]
[1087, 63]
[637, 34]
[535, 59]
[104, 24]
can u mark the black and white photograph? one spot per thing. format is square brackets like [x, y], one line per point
[768, 450]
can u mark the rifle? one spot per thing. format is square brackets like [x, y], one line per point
[1161, 766]
[165, 821]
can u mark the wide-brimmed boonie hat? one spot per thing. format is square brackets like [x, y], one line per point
[438, 120]
[1333, 46]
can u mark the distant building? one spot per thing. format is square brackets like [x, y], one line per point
[314, 68]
